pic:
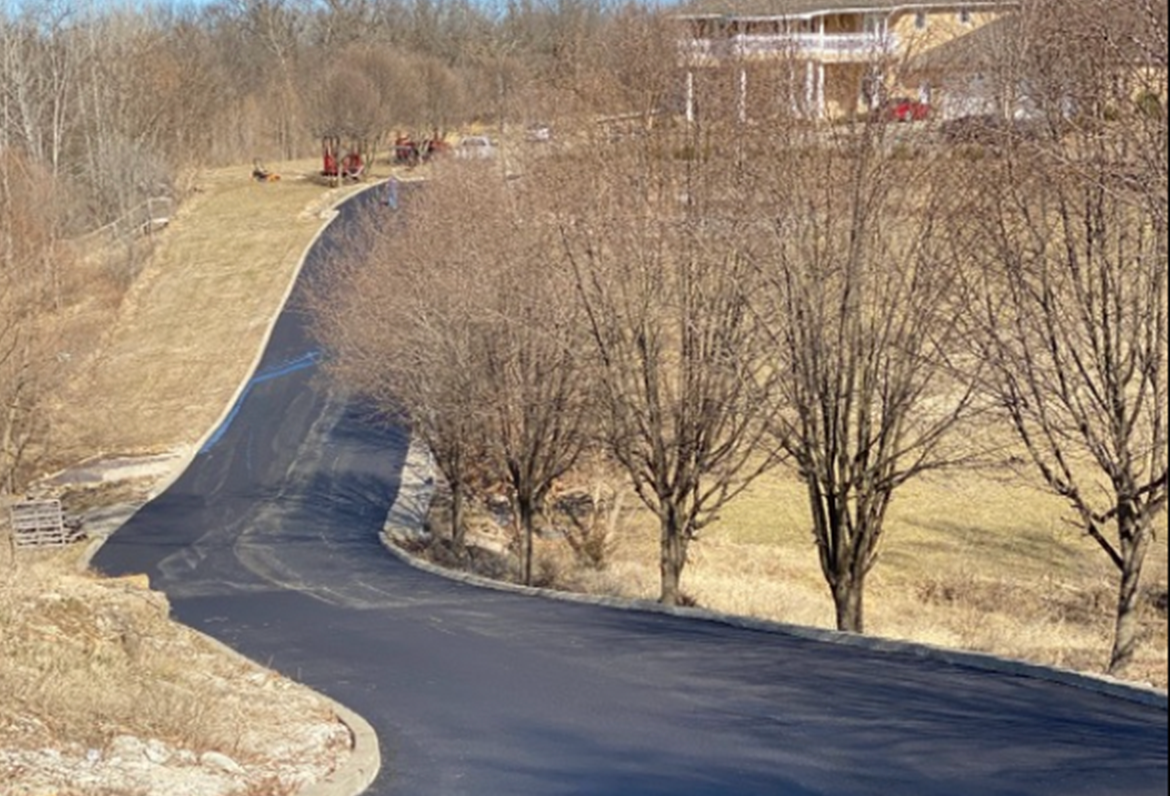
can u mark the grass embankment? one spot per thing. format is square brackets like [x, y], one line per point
[85, 660]
[193, 321]
[92, 667]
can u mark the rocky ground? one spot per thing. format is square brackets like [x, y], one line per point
[100, 693]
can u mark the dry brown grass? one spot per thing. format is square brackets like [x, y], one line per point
[85, 660]
[971, 561]
[164, 365]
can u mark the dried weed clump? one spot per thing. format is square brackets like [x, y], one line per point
[96, 659]
[84, 660]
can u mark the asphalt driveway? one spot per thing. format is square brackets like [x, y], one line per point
[269, 543]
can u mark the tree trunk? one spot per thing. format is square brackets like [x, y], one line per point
[458, 528]
[527, 519]
[849, 600]
[1127, 627]
[672, 558]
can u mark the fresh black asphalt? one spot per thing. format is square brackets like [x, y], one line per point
[269, 542]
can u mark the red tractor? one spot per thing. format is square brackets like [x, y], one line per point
[347, 167]
[409, 152]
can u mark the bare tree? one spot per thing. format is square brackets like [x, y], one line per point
[661, 273]
[631, 69]
[1073, 243]
[26, 304]
[37, 91]
[393, 314]
[461, 321]
[535, 410]
[860, 308]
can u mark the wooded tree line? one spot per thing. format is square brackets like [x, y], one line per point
[114, 101]
[702, 302]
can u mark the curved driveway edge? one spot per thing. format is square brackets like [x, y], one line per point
[358, 771]
[405, 522]
[361, 767]
[188, 455]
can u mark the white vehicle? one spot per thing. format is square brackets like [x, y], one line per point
[475, 147]
[539, 134]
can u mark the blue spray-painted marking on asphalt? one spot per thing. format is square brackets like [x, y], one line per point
[303, 362]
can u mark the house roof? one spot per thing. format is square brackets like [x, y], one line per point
[762, 9]
[1127, 37]
[978, 50]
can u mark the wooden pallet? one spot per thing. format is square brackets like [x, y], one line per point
[41, 523]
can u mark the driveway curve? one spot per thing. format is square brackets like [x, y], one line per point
[269, 542]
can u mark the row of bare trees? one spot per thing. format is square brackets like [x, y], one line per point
[697, 303]
[702, 314]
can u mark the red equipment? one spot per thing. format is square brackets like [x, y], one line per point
[351, 165]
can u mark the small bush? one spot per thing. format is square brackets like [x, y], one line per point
[489, 564]
[903, 151]
[1149, 104]
[1158, 600]
[546, 573]
[973, 153]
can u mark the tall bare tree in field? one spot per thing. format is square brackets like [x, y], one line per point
[858, 299]
[660, 270]
[1074, 315]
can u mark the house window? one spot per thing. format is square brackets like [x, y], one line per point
[920, 20]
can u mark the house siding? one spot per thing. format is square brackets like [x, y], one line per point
[846, 68]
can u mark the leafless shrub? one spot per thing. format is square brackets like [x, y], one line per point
[593, 521]
[660, 272]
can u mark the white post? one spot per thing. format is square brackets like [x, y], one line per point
[690, 97]
[743, 89]
[821, 72]
[810, 88]
[820, 91]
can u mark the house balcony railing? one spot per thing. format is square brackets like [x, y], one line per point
[832, 46]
